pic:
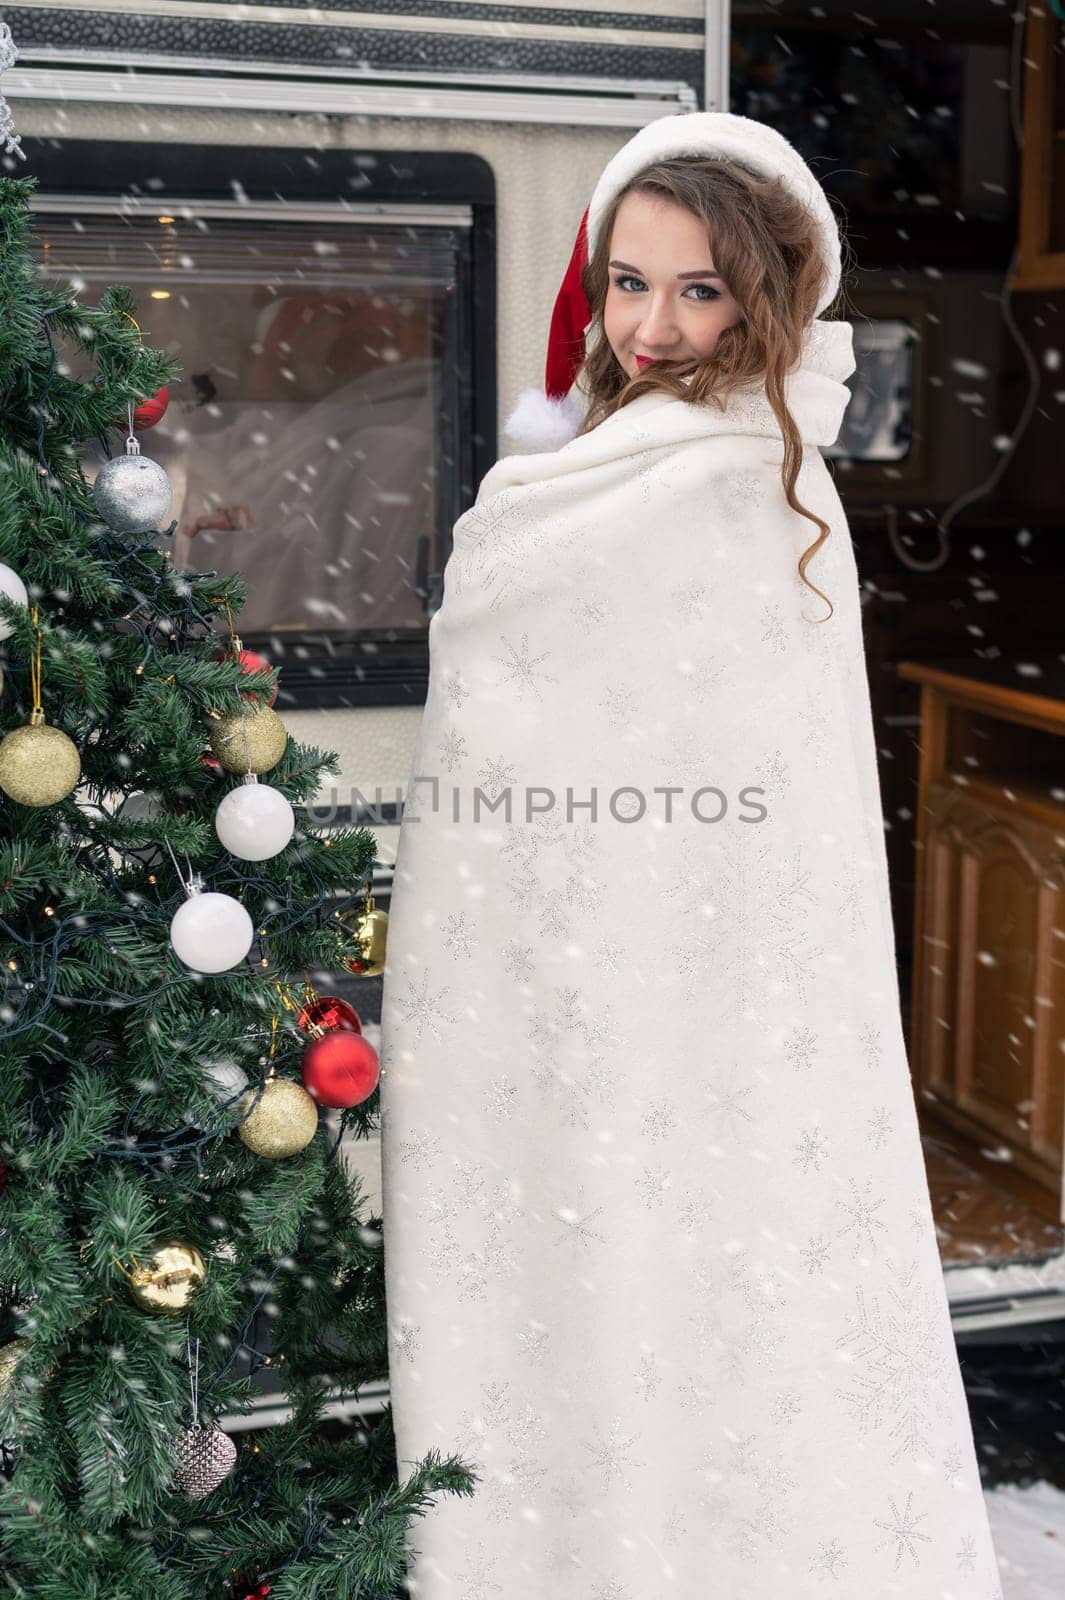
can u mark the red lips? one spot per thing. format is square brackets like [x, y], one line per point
[644, 361]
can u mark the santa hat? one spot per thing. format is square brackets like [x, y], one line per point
[547, 419]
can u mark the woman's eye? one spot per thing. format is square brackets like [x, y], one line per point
[714, 294]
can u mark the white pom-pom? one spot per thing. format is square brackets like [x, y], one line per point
[542, 423]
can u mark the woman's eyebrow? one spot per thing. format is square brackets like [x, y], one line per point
[624, 265]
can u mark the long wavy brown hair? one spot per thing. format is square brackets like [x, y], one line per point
[765, 245]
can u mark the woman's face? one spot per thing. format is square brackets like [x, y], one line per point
[650, 310]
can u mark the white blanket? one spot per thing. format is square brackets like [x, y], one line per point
[660, 1256]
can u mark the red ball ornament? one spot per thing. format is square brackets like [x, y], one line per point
[340, 1069]
[330, 1012]
[250, 661]
[148, 413]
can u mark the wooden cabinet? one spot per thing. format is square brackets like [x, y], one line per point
[987, 1037]
[1041, 252]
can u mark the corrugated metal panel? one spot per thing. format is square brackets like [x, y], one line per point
[483, 39]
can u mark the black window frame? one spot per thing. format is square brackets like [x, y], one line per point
[384, 667]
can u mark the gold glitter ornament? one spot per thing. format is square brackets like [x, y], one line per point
[283, 1123]
[252, 740]
[369, 928]
[10, 1356]
[39, 764]
[168, 1282]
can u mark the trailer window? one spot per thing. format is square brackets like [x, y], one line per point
[310, 440]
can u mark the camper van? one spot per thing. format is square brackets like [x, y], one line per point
[350, 227]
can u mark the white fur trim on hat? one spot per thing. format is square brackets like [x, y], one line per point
[730, 137]
[542, 423]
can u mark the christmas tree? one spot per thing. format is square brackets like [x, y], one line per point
[174, 1212]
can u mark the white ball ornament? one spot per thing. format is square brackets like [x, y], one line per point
[132, 493]
[210, 932]
[254, 821]
[13, 587]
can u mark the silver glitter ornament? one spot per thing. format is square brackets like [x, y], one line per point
[206, 1457]
[132, 493]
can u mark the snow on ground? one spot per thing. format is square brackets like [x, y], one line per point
[1028, 1529]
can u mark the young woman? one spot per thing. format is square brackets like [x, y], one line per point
[660, 1258]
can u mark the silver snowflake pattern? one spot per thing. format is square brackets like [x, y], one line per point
[493, 1410]
[693, 885]
[609, 954]
[521, 669]
[525, 1428]
[501, 1097]
[748, 1496]
[811, 1150]
[619, 705]
[741, 1317]
[459, 936]
[610, 1589]
[799, 1047]
[693, 1213]
[774, 633]
[534, 1343]
[577, 1229]
[694, 1396]
[647, 481]
[861, 1215]
[572, 1055]
[902, 1531]
[452, 750]
[652, 1185]
[871, 1046]
[966, 1556]
[647, 1379]
[727, 1101]
[658, 1121]
[828, 1558]
[580, 842]
[880, 1127]
[588, 608]
[737, 492]
[772, 774]
[424, 1008]
[815, 1253]
[786, 1406]
[685, 760]
[406, 1339]
[494, 540]
[897, 1338]
[495, 775]
[421, 1148]
[455, 689]
[815, 717]
[701, 679]
[478, 1577]
[690, 601]
[755, 933]
[517, 960]
[582, 893]
[852, 896]
[610, 1454]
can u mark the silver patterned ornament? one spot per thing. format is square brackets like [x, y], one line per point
[206, 1457]
[131, 492]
